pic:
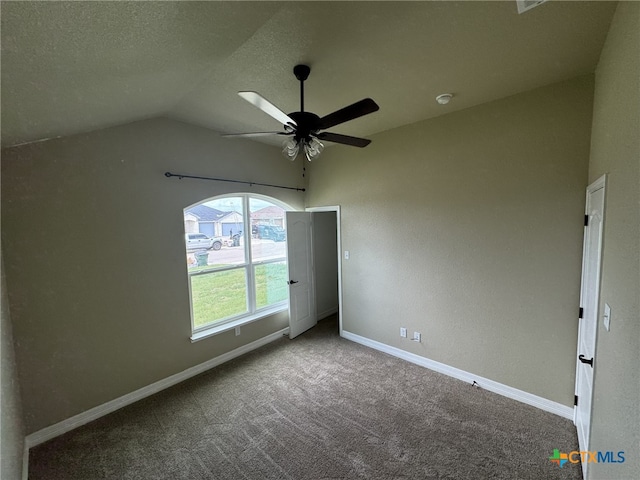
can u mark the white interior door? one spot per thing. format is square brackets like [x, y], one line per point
[589, 302]
[302, 310]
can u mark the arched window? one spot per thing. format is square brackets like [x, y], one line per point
[236, 261]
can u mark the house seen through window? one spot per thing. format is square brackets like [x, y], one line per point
[236, 258]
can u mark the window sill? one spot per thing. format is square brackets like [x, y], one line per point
[225, 327]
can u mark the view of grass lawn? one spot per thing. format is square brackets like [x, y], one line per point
[271, 284]
[219, 295]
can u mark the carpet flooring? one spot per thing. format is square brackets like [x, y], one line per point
[314, 408]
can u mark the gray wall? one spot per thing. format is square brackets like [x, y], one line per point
[325, 262]
[93, 237]
[615, 149]
[11, 426]
[468, 229]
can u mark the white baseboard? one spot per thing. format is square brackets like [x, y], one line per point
[327, 313]
[76, 421]
[499, 388]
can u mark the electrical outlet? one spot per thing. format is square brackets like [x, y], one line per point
[403, 332]
[417, 336]
[237, 331]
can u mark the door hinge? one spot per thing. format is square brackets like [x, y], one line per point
[575, 400]
[586, 220]
[581, 313]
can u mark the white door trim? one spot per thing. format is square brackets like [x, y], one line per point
[335, 208]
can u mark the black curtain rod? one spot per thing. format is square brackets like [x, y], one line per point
[169, 175]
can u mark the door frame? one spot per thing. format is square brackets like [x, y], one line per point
[600, 183]
[336, 209]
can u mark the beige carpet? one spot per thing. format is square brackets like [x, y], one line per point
[318, 407]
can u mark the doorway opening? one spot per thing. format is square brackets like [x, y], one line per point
[327, 262]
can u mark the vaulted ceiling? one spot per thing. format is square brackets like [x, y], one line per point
[71, 67]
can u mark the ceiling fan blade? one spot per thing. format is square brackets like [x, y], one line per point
[358, 109]
[267, 107]
[344, 139]
[255, 134]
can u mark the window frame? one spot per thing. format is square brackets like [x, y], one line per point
[252, 313]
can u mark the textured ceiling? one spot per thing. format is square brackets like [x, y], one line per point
[70, 67]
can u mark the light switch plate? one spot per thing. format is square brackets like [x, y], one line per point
[607, 316]
[346, 254]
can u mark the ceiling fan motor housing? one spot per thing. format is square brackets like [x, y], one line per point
[308, 123]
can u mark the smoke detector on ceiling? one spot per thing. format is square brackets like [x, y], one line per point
[524, 5]
[444, 98]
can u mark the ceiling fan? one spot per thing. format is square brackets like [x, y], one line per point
[304, 128]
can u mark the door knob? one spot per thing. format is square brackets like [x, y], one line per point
[584, 360]
[291, 282]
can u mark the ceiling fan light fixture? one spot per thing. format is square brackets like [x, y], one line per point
[313, 148]
[290, 149]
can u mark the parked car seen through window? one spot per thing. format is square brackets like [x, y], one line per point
[200, 241]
